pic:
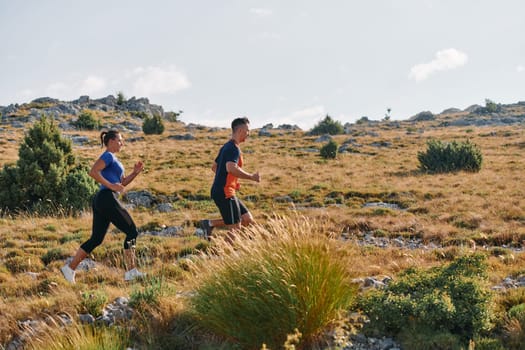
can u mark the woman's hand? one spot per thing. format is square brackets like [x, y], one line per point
[139, 166]
[118, 187]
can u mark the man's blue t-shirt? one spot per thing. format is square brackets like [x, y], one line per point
[113, 171]
[225, 184]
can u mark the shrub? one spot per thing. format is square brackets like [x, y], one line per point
[93, 302]
[329, 151]
[447, 299]
[443, 157]
[153, 125]
[283, 277]
[87, 121]
[149, 295]
[514, 327]
[79, 189]
[517, 311]
[327, 126]
[47, 175]
[121, 99]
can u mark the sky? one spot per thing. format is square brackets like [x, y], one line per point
[273, 61]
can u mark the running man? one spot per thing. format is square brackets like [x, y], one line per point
[228, 170]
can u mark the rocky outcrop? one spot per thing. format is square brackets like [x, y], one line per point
[57, 109]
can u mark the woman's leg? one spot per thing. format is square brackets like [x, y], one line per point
[77, 259]
[120, 217]
[98, 232]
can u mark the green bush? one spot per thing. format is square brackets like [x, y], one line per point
[452, 156]
[281, 277]
[153, 125]
[517, 312]
[329, 151]
[149, 295]
[46, 175]
[86, 121]
[93, 302]
[514, 327]
[79, 189]
[327, 126]
[121, 99]
[447, 299]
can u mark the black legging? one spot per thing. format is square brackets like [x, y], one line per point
[107, 209]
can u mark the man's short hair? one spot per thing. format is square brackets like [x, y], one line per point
[238, 122]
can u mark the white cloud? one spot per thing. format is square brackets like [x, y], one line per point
[520, 68]
[91, 85]
[157, 80]
[261, 12]
[445, 60]
[58, 90]
[305, 118]
[27, 93]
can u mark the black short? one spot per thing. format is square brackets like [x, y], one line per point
[231, 209]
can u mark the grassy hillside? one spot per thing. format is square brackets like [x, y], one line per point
[456, 212]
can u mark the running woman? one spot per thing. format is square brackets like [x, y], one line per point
[109, 173]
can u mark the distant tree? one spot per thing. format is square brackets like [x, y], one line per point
[387, 115]
[121, 99]
[327, 126]
[47, 177]
[153, 125]
[491, 106]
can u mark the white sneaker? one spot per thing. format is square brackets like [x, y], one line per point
[133, 274]
[69, 273]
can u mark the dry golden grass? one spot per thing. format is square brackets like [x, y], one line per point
[452, 209]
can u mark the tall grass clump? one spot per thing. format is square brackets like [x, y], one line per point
[439, 308]
[79, 337]
[442, 157]
[274, 280]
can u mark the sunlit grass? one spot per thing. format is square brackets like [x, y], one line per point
[281, 276]
[79, 337]
[486, 208]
